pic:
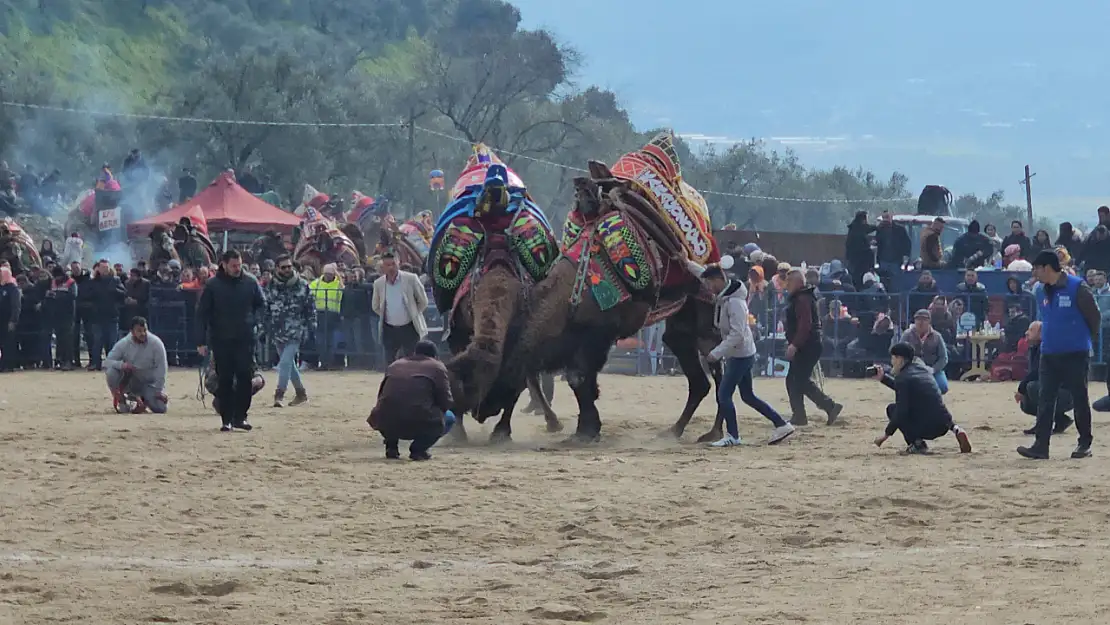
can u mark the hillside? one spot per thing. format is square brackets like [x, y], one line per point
[458, 71]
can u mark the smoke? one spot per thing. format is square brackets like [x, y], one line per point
[115, 253]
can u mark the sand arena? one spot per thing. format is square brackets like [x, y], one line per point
[109, 519]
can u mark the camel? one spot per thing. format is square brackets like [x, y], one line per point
[162, 247]
[17, 247]
[319, 242]
[629, 250]
[194, 248]
[491, 245]
[409, 241]
[267, 247]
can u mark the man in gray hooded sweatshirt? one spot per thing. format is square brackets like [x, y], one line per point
[136, 371]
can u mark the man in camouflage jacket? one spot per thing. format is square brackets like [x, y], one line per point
[290, 320]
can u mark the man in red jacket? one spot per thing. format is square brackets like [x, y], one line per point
[803, 350]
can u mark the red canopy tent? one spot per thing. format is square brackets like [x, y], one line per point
[225, 206]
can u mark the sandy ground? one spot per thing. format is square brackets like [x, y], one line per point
[161, 519]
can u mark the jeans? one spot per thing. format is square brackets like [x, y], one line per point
[942, 381]
[287, 368]
[1066, 371]
[104, 336]
[738, 375]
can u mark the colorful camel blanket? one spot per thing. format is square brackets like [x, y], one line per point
[613, 258]
[656, 172]
[464, 240]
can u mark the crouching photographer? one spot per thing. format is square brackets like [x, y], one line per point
[918, 410]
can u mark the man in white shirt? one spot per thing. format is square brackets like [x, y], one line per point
[399, 301]
[136, 371]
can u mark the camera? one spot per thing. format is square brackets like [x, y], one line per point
[873, 370]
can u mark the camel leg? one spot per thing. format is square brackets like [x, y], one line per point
[586, 391]
[503, 431]
[536, 391]
[685, 348]
[458, 432]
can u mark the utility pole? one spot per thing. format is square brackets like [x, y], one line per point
[1028, 197]
[411, 192]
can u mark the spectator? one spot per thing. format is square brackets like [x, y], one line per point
[976, 295]
[1096, 251]
[924, 292]
[1018, 237]
[894, 245]
[1066, 260]
[82, 326]
[918, 410]
[1028, 393]
[1104, 216]
[73, 251]
[47, 253]
[972, 249]
[1017, 296]
[932, 250]
[1017, 323]
[837, 329]
[1070, 239]
[136, 300]
[929, 346]
[872, 345]
[106, 295]
[11, 304]
[996, 242]
[1012, 260]
[60, 310]
[399, 300]
[29, 331]
[942, 321]
[1041, 242]
[186, 186]
[355, 313]
[328, 292]
[857, 247]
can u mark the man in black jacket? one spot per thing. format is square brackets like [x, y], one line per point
[1019, 238]
[229, 307]
[81, 321]
[803, 350]
[918, 410]
[1029, 389]
[893, 246]
[105, 295]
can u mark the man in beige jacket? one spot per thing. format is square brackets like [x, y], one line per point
[399, 301]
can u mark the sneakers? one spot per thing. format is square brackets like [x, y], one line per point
[225, 427]
[834, 412]
[962, 439]
[781, 433]
[1083, 450]
[728, 441]
[917, 448]
[279, 395]
[243, 425]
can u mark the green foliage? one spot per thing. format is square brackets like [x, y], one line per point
[462, 68]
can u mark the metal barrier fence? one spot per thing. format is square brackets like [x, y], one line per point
[858, 329]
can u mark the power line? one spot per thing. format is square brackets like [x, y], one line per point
[456, 138]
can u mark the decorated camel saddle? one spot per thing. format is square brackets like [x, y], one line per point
[491, 220]
[320, 241]
[410, 241]
[652, 230]
[16, 246]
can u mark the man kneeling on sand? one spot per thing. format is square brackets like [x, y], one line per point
[918, 409]
[136, 371]
[414, 403]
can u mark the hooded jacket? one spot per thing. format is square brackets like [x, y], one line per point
[731, 318]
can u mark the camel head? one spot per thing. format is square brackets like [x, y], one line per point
[587, 197]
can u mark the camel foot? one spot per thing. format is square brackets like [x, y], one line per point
[458, 435]
[500, 437]
[531, 409]
[582, 439]
[672, 432]
[710, 436]
[554, 425]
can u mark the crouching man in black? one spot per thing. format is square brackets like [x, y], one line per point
[1028, 394]
[918, 409]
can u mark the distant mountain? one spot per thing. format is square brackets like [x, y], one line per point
[958, 93]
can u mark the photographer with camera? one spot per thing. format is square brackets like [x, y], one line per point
[918, 410]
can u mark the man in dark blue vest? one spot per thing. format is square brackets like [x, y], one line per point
[1070, 318]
